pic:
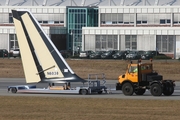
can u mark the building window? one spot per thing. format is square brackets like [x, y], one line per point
[162, 21]
[6, 18]
[144, 21]
[13, 41]
[165, 21]
[50, 18]
[114, 22]
[120, 22]
[50, 22]
[126, 22]
[131, 42]
[141, 18]
[176, 18]
[106, 42]
[56, 22]
[102, 22]
[40, 22]
[10, 18]
[153, 19]
[138, 22]
[117, 18]
[165, 43]
[45, 22]
[61, 22]
[168, 21]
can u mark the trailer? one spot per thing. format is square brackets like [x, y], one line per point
[91, 86]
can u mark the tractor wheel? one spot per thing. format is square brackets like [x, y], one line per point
[83, 91]
[156, 89]
[168, 88]
[13, 90]
[140, 91]
[127, 89]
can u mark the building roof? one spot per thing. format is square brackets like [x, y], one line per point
[89, 2]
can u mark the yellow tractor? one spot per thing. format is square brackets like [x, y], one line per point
[141, 76]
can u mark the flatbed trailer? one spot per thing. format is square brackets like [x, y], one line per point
[92, 86]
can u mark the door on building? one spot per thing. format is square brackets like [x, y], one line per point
[59, 41]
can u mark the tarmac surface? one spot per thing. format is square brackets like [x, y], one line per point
[110, 84]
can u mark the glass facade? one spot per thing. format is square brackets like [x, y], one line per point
[76, 19]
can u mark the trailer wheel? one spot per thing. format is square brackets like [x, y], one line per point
[168, 88]
[13, 90]
[83, 92]
[156, 89]
[127, 89]
[140, 91]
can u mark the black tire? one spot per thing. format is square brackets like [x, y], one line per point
[127, 89]
[140, 91]
[99, 92]
[168, 88]
[156, 89]
[13, 90]
[84, 92]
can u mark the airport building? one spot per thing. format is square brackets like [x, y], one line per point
[100, 24]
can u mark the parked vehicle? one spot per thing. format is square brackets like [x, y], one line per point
[85, 54]
[66, 53]
[96, 55]
[133, 55]
[16, 53]
[149, 54]
[3, 53]
[108, 54]
[141, 52]
[121, 54]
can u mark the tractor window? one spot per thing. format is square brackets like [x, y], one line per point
[146, 67]
[143, 67]
[133, 69]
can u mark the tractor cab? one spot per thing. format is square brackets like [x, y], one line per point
[141, 76]
[136, 71]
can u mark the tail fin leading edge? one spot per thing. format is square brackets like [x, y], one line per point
[41, 60]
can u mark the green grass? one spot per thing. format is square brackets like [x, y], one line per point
[53, 108]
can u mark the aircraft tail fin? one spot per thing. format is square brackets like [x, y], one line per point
[41, 60]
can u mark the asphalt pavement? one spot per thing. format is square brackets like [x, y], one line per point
[110, 84]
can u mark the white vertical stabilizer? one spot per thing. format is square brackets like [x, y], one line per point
[41, 60]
